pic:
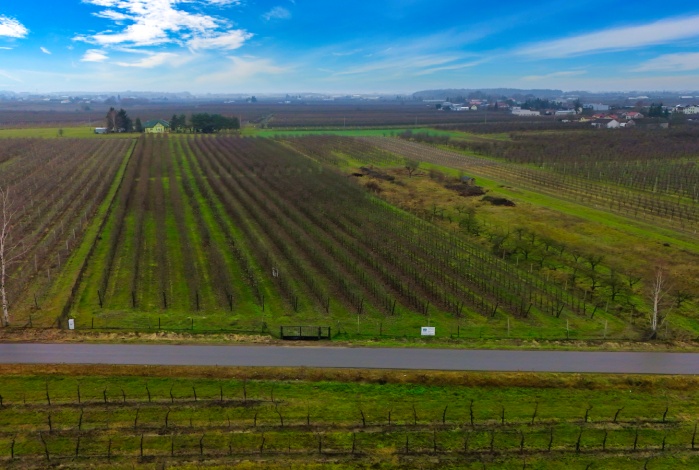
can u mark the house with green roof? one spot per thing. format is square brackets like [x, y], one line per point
[156, 126]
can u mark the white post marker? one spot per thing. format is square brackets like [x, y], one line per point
[427, 331]
[71, 324]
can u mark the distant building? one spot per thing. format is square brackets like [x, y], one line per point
[606, 124]
[157, 126]
[101, 130]
[517, 111]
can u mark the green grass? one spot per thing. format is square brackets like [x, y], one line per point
[385, 132]
[171, 411]
[68, 132]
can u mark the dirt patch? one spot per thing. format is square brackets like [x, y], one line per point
[498, 201]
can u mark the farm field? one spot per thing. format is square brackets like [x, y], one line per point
[222, 233]
[375, 236]
[134, 417]
[54, 201]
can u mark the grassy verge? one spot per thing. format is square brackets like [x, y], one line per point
[54, 133]
[184, 417]
[88, 335]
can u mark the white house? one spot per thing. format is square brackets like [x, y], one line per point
[606, 124]
[691, 109]
[517, 111]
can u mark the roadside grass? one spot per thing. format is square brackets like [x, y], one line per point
[135, 415]
[53, 132]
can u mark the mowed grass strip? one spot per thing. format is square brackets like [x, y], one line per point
[310, 415]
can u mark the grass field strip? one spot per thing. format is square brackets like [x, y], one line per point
[81, 421]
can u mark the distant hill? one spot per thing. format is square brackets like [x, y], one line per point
[484, 92]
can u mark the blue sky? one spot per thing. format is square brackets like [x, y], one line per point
[393, 46]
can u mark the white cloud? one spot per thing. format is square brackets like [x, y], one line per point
[10, 77]
[142, 23]
[347, 53]
[452, 67]
[94, 55]
[12, 28]
[45, 51]
[403, 63]
[250, 66]
[671, 62]
[223, 2]
[616, 39]
[5, 48]
[277, 13]
[571, 73]
[241, 69]
[228, 41]
[154, 60]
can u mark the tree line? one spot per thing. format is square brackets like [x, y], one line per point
[205, 123]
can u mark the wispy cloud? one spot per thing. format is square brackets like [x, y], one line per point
[400, 63]
[227, 41]
[10, 27]
[616, 39]
[94, 55]
[671, 62]
[155, 60]
[45, 51]
[144, 23]
[457, 66]
[346, 53]
[564, 74]
[9, 76]
[277, 13]
[242, 69]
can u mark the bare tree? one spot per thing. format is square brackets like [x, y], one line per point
[9, 252]
[411, 165]
[658, 290]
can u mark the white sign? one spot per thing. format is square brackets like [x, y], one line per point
[427, 331]
[71, 324]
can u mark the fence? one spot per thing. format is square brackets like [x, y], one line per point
[368, 329]
[305, 332]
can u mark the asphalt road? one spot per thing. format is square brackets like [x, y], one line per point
[375, 358]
